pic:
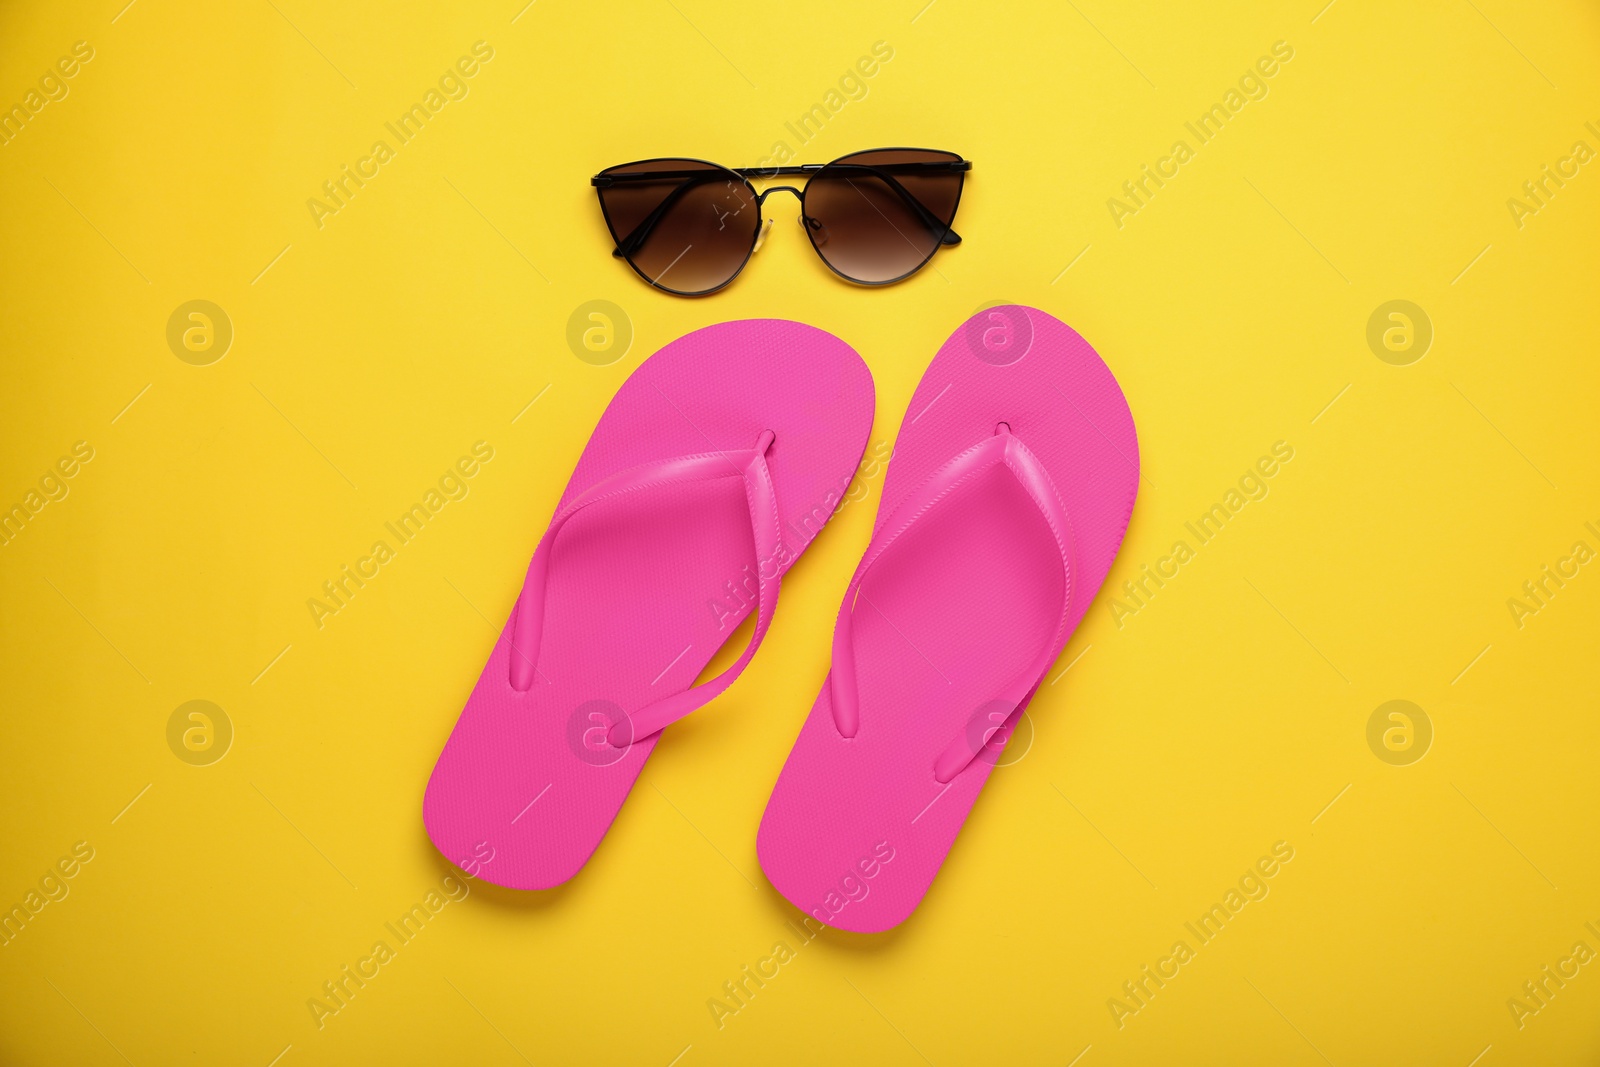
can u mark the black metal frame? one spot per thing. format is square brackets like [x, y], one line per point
[626, 244]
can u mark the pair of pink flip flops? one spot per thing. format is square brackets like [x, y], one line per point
[718, 461]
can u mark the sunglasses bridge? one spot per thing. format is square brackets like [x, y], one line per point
[799, 194]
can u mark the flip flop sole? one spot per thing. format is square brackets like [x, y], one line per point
[642, 592]
[857, 828]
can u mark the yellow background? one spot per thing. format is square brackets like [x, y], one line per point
[1228, 714]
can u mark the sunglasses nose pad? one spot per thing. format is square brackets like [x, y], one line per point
[819, 232]
[761, 238]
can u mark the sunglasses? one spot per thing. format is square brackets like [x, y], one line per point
[688, 227]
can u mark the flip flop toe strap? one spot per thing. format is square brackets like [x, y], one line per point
[1002, 449]
[749, 466]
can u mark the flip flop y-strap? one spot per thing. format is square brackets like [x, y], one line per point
[751, 467]
[1004, 448]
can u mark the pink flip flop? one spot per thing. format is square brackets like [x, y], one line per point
[1004, 504]
[712, 469]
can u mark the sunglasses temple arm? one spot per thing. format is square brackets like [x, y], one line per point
[630, 244]
[932, 221]
[929, 219]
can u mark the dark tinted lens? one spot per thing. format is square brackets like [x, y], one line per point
[878, 216]
[687, 226]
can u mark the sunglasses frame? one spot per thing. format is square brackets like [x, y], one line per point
[946, 231]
